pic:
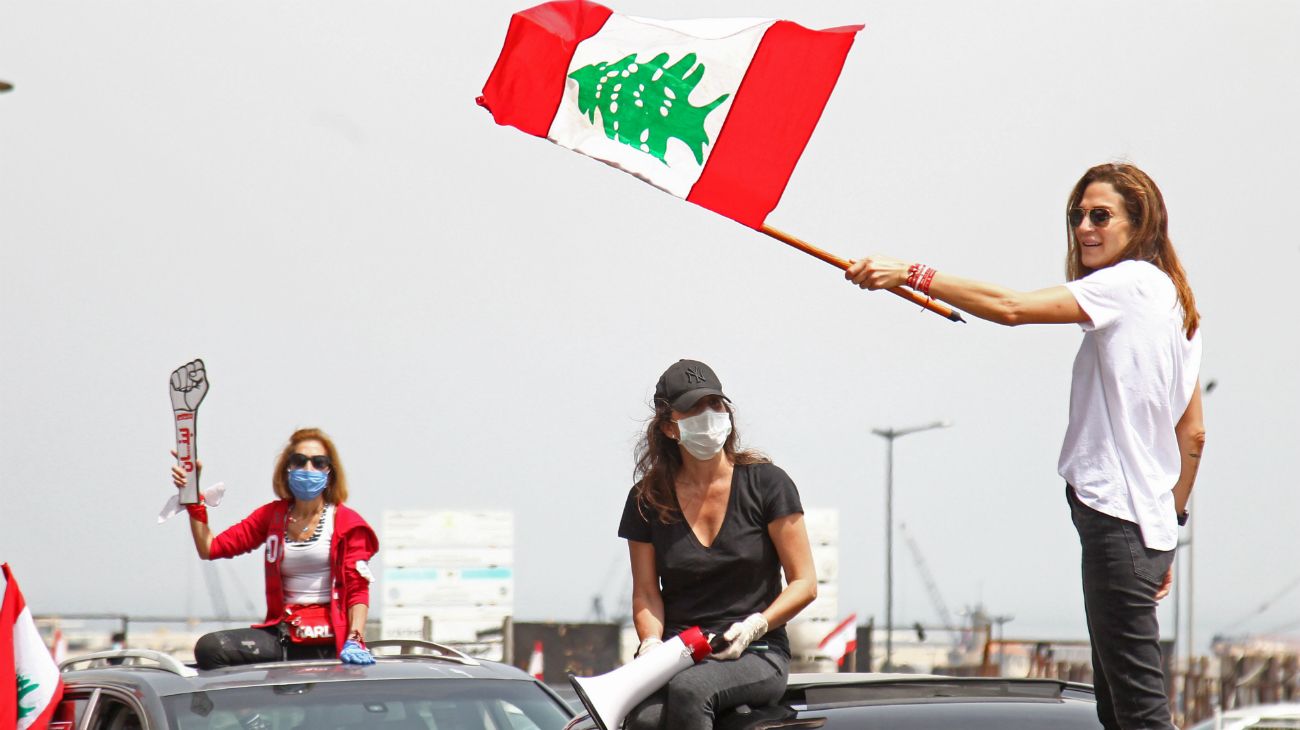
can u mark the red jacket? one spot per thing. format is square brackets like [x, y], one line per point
[353, 542]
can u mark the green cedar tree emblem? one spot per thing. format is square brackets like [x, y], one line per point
[643, 105]
[25, 687]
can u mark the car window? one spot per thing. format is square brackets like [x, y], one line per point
[114, 714]
[414, 704]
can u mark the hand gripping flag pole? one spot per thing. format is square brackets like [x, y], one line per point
[715, 111]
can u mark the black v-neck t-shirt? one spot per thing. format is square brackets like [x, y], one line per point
[739, 574]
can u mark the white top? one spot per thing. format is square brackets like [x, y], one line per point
[305, 572]
[1135, 373]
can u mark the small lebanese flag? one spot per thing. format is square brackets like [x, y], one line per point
[536, 665]
[716, 111]
[841, 640]
[30, 685]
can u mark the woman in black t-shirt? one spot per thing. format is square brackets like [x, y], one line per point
[710, 529]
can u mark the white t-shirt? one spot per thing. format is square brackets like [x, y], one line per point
[1135, 373]
[305, 570]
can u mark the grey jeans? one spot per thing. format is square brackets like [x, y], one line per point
[695, 696]
[1120, 578]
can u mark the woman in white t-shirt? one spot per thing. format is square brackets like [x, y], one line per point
[1136, 431]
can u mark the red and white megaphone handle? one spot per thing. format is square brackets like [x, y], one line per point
[610, 696]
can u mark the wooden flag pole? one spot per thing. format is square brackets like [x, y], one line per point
[934, 305]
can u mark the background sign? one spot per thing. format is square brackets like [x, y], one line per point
[448, 576]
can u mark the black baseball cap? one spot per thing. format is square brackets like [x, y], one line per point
[684, 383]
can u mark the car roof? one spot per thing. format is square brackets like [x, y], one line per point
[813, 678]
[800, 681]
[165, 676]
[921, 701]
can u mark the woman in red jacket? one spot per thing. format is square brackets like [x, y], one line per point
[316, 548]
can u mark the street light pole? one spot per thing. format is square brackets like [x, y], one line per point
[889, 435]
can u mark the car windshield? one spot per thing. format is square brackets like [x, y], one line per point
[394, 704]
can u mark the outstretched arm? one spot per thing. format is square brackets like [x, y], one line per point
[1053, 305]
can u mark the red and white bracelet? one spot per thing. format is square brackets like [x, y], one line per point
[919, 277]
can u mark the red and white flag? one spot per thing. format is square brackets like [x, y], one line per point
[842, 639]
[536, 663]
[715, 111]
[30, 685]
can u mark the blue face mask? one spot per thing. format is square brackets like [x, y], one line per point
[307, 484]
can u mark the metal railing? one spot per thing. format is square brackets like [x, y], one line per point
[406, 648]
[130, 657]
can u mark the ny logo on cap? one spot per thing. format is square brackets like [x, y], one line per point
[693, 376]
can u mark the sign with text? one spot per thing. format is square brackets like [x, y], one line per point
[188, 386]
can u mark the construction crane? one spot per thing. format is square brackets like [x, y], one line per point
[936, 598]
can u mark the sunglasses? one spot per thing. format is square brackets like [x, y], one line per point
[1099, 216]
[319, 463]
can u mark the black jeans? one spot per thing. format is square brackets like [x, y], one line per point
[1120, 579]
[251, 646]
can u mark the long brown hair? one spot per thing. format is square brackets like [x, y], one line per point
[1149, 221]
[336, 488]
[659, 459]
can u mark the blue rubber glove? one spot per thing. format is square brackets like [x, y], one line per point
[354, 653]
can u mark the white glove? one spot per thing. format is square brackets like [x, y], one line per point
[741, 634]
[647, 644]
[212, 496]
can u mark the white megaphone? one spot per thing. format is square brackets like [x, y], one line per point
[610, 696]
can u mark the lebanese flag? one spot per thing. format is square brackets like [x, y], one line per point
[536, 663]
[30, 685]
[716, 111]
[841, 640]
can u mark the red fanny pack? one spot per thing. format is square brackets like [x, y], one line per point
[309, 623]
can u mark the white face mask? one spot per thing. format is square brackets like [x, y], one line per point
[703, 435]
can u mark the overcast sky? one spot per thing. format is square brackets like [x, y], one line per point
[305, 195]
